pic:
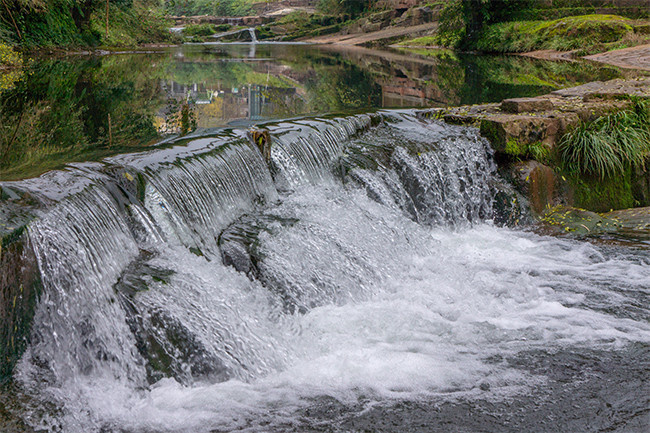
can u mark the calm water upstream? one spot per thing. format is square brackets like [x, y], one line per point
[354, 281]
[79, 108]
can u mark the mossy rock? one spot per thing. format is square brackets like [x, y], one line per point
[513, 134]
[20, 288]
[578, 221]
[642, 29]
[20, 281]
[602, 195]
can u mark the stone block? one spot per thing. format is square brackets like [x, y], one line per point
[526, 105]
[512, 134]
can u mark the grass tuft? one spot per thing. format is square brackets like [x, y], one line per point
[609, 145]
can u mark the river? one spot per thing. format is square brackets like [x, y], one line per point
[356, 280]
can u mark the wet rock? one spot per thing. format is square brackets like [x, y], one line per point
[535, 181]
[20, 288]
[168, 347]
[20, 281]
[236, 254]
[510, 207]
[633, 222]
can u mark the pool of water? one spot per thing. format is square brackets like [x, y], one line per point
[81, 107]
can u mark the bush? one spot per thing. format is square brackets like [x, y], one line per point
[461, 21]
[609, 145]
[562, 34]
[200, 30]
[130, 26]
[9, 57]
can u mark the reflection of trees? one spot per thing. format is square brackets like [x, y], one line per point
[64, 109]
[69, 110]
[343, 87]
[494, 78]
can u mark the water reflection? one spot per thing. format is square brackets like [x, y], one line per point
[79, 108]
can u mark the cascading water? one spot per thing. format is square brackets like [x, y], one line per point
[357, 282]
[226, 35]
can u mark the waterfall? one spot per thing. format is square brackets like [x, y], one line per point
[198, 287]
[251, 31]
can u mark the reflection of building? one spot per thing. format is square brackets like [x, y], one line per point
[217, 106]
[406, 92]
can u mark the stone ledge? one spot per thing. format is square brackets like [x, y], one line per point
[515, 124]
[523, 105]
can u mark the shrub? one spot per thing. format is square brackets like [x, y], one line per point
[609, 145]
[200, 30]
[9, 57]
[561, 34]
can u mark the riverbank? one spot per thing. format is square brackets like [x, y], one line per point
[527, 133]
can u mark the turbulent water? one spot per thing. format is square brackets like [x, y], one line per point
[355, 283]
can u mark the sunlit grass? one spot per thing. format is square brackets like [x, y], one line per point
[569, 33]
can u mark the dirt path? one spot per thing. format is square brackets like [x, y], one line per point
[631, 58]
[363, 38]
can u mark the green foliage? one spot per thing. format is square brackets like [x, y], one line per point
[539, 152]
[209, 7]
[461, 21]
[353, 8]
[130, 26]
[66, 23]
[562, 34]
[610, 145]
[452, 27]
[302, 24]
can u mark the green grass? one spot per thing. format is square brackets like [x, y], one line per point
[424, 41]
[205, 29]
[608, 146]
[577, 32]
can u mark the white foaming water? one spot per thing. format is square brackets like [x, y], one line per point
[416, 312]
[350, 298]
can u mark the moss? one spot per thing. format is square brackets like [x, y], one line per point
[498, 138]
[494, 134]
[203, 29]
[515, 148]
[611, 193]
[425, 41]
[577, 32]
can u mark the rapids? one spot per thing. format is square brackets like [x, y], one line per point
[358, 282]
